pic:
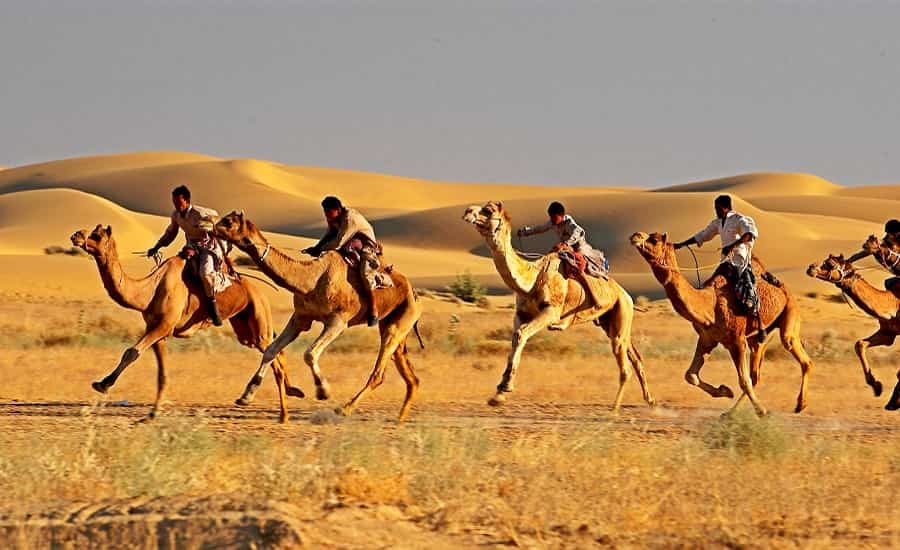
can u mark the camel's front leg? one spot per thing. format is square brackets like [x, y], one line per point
[692, 376]
[291, 331]
[736, 349]
[521, 333]
[334, 327]
[880, 338]
[131, 355]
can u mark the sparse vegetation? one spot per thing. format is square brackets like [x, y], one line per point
[467, 288]
[66, 250]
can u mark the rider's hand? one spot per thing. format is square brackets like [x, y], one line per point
[726, 250]
[312, 251]
[520, 233]
[152, 252]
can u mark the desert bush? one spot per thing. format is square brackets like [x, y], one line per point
[642, 301]
[742, 433]
[467, 288]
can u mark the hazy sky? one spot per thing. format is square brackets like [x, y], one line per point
[611, 93]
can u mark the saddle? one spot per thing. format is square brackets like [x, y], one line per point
[575, 263]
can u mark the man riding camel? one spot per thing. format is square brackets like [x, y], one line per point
[203, 248]
[572, 236]
[353, 236]
[738, 234]
[891, 238]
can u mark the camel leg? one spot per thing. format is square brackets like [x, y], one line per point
[289, 390]
[692, 375]
[794, 345]
[159, 349]
[292, 329]
[619, 332]
[393, 334]
[521, 333]
[757, 355]
[334, 326]
[404, 366]
[279, 383]
[637, 363]
[131, 355]
[880, 338]
[894, 403]
[739, 358]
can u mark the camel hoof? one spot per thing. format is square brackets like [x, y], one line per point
[762, 413]
[242, 402]
[877, 388]
[652, 403]
[341, 411]
[283, 419]
[497, 400]
[294, 392]
[99, 387]
[322, 393]
[892, 406]
[725, 391]
[800, 407]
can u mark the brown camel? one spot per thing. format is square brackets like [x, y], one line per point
[883, 305]
[545, 298]
[712, 312]
[172, 304]
[325, 290]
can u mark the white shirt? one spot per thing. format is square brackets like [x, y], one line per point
[732, 228]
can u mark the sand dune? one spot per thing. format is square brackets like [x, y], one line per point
[801, 217]
[33, 220]
[750, 185]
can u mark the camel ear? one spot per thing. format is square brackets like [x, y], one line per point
[240, 213]
[840, 257]
[665, 237]
[109, 231]
[500, 206]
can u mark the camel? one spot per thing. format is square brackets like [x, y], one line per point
[883, 305]
[712, 312]
[172, 304]
[545, 298]
[326, 290]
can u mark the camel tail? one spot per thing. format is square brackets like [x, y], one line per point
[419, 336]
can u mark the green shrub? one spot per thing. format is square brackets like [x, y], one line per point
[466, 288]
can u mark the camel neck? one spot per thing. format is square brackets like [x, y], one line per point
[881, 304]
[518, 273]
[298, 276]
[124, 290]
[694, 305]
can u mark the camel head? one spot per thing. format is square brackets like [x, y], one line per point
[833, 269]
[237, 229]
[98, 243]
[490, 220]
[655, 248]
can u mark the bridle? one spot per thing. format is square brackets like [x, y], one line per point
[890, 254]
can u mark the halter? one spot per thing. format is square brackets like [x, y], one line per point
[890, 253]
[262, 257]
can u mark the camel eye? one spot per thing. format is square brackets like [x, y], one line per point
[651, 239]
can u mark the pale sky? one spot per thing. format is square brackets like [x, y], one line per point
[554, 92]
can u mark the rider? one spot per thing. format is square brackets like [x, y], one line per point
[350, 232]
[738, 234]
[572, 235]
[196, 222]
[891, 236]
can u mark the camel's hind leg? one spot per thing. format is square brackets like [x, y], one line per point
[394, 330]
[153, 335]
[894, 403]
[637, 362]
[253, 328]
[159, 350]
[401, 360]
[521, 333]
[618, 328]
[790, 339]
[692, 375]
[334, 327]
[880, 338]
